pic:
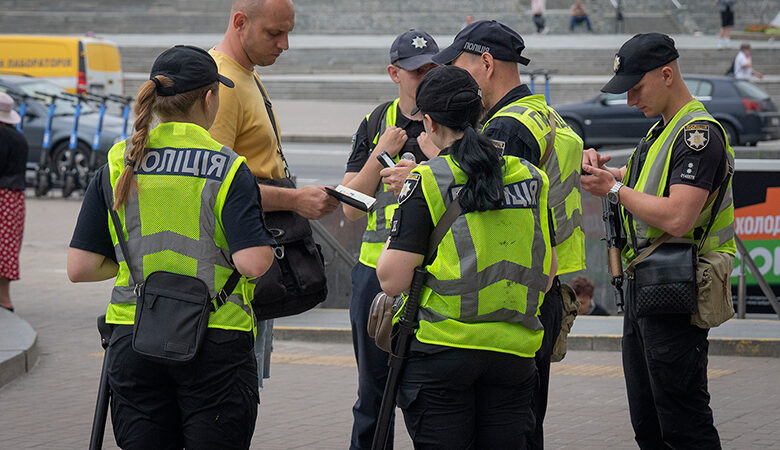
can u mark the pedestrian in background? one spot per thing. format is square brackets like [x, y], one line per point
[726, 8]
[537, 6]
[579, 15]
[583, 288]
[470, 374]
[520, 124]
[663, 192]
[390, 128]
[743, 64]
[256, 35]
[199, 217]
[13, 164]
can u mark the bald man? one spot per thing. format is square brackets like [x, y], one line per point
[681, 163]
[256, 35]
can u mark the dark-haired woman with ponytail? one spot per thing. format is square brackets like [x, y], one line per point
[189, 206]
[470, 374]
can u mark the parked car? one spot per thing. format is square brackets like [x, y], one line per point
[35, 122]
[746, 112]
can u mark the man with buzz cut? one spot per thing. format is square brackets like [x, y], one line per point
[390, 128]
[522, 124]
[675, 186]
[256, 35]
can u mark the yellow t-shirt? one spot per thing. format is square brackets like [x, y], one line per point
[242, 121]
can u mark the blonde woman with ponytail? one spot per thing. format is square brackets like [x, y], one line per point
[186, 205]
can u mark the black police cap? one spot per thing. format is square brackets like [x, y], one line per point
[639, 55]
[413, 49]
[188, 67]
[449, 95]
[485, 36]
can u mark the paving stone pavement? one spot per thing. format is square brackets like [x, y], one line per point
[307, 402]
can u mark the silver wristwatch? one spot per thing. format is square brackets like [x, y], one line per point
[613, 195]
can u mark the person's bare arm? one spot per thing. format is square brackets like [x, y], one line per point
[395, 269]
[253, 261]
[312, 202]
[366, 181]
[88, 266]
[675, 214]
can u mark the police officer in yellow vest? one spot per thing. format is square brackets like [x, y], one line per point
[682, 160]
[190, 206]
[391, 128]
[470, 375]
[522, 124]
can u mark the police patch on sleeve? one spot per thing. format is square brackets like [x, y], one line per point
[354, 141]
[500, 145]
[409, 186]
[696, 136]
[690, 167]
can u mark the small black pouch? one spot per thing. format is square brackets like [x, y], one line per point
[171, 317]
[665, 281]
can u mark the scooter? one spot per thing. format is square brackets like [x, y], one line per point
[125, 101]
[43, 177]
[101, 100]
[70, 178]
[22, 112]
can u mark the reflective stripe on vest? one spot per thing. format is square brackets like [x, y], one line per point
[377, 230]
[654, 177]
[473, 296]
[172, 239]
[563, 169]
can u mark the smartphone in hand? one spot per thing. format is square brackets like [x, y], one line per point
[385, 159]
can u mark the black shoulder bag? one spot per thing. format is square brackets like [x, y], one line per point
[296, 281]
[664, 274]
[172, 310]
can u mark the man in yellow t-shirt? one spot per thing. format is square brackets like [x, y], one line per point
[256, 36]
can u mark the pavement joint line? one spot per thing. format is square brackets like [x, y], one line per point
[591, 370]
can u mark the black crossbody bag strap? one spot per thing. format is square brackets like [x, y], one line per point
[108, 196]
[445, 223]
[269, 107]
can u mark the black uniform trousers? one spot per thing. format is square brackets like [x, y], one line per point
[210, 402]
[371, 361]
[467, 399]
[665, 366]
[550, 315]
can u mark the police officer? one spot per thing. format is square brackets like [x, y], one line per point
[470, 374]
[683, 159]
[189, 206]
[522, 124]
[390, 128]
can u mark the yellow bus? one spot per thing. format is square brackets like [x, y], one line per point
[78, 64]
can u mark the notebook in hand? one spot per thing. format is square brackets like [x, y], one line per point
[351, 197]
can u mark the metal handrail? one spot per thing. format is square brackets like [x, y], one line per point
[747, 260]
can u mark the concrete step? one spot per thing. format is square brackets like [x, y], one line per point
[377, 88]
[365, 16]
[362, 54]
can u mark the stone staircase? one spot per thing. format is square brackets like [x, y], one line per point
[367, 16]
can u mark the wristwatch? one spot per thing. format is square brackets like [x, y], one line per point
[613, 196]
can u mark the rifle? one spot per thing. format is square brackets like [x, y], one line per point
[615, 242]
[407, 325]
[104, 391]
